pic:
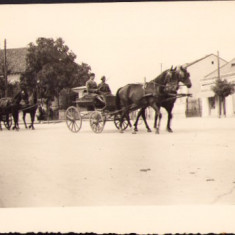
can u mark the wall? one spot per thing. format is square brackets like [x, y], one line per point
[199, 70]
[12, 78]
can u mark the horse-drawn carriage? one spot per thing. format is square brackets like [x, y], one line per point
[25, 101]
[5, 114]
[98, 110]
[159, 92]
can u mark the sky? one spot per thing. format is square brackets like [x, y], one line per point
[126, 42]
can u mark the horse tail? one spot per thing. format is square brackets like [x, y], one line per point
[118, 104]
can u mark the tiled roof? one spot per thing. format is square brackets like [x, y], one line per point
[16, 60]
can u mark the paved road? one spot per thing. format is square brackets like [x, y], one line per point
[53, 167]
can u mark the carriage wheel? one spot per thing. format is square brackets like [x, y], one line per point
[97, 122]
[73, 119]
[8, 126]
[117, 122]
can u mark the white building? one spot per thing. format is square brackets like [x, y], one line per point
[209, 101]
[198, 69]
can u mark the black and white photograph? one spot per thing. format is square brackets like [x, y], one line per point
[118, 107]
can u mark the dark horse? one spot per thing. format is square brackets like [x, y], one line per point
[31, 108]
[168, 100]
[12, 106]
[136, 96]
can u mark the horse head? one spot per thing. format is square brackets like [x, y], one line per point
[171, 81]
[183, 76]
[21, 97]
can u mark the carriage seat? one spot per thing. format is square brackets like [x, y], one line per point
[106, 102]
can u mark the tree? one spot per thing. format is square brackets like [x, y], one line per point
[51, 66]
[222, 89]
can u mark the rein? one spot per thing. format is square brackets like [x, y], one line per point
[173, 96]
[29, 107]
[156, 83]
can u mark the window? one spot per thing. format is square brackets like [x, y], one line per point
[211, 102]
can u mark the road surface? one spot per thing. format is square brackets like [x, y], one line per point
[52, 166]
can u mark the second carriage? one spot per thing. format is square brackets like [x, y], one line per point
[97, 110]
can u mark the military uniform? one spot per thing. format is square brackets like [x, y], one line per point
[104, 88]
[91, 86]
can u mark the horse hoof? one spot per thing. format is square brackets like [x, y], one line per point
[121, 131]
[134, 132]
[135, 129]
[157, 131]
[149, 130]
[170, 130]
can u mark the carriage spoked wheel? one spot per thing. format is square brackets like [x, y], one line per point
[73, 119]
[8, 126]
[116, 120]
[97, 122]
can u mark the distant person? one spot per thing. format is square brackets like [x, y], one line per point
[91, 85]
[103, 87]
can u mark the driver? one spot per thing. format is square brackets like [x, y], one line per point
[103, 87]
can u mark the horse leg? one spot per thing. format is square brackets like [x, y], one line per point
[157, 114]
[145, 121]
[121, 123]
[170, 116]
[32, 114]
[0, 125]
[7, 118]
[124, 114]
[159, 122]
[15, 115]
[129, 123]
[25, 124]
[137, 119]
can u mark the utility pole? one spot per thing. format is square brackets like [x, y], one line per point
[5, 67]
[218, 59]
[161, 67]
[221, 100]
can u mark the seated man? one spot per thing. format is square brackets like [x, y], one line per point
[92, 89]
[91, 85]
[103, 87]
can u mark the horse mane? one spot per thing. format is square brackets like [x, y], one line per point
[161, 77]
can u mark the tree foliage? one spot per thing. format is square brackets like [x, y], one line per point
[223, 88]
[51, 65]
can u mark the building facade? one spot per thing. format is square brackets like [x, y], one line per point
[198, 69]
[210, 103]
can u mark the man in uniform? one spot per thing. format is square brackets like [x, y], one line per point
[92, 90]
[103, 87]
[91, 85]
